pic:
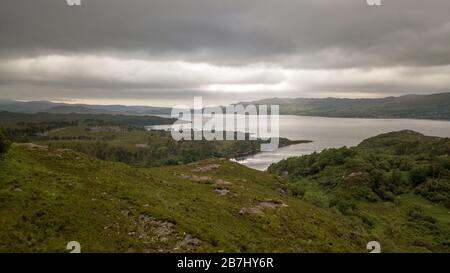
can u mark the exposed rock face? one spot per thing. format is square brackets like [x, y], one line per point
[221, 182]
[189, 243]
[222, 191]
[261, 207]
[33, 146]
[196, 178]
[206, 168]
[154, 232]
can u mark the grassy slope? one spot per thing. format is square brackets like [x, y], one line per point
[393, 226]
[12, 119]
[347, 175]
[435, 106]
[50, 197]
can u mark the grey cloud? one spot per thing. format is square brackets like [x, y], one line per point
[292, 48]
[153, 97]
[309, 33]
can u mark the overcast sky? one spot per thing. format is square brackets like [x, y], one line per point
[163, 52]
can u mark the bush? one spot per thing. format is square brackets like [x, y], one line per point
[4, 143]
[417, 214]
[387, 196]
[344, 206]
[436, 191]
[419, 174]
[297, 190]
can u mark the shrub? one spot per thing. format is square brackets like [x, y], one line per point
[419, 174]
[297, 190]
[4, 143]
[417, 214]
[387, 196]
[344, 206]
[436, 191]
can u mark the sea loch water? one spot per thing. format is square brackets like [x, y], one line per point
[333, 133]
[337, 132]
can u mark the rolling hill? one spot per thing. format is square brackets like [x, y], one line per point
[397, 184]
[64, 108]
[333, 201]
[436, 106]
[50, 197]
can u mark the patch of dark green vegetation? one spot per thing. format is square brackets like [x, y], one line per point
[123, 138]
[4, 143]
[21, 127]
[404, 170]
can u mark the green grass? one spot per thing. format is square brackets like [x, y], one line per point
[51, 197]
[395, 186]
[399, 233]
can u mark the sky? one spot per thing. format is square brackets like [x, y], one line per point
[165, 52]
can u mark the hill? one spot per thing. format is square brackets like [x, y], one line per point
[50, 197]
[122, 138]
[64, 108]
[435, 106]
[392, 188]
[22, 119]
[397, 183]
[71, 109]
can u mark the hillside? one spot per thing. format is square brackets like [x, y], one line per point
[435, 106]
[69, 109]
[392, 188]
[12, 119]
[65, 108]
[51, 197]
[398, 184]
[121, 138]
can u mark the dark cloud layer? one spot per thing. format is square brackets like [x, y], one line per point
[317, 33]
[285, 35]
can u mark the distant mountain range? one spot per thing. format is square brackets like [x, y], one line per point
[64, 108]
[436, 106]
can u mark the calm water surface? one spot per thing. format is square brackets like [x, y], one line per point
[337, 132]
[333, 133]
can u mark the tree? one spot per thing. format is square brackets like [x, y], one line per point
[297, 190]
[419, 174]
[4, 143]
